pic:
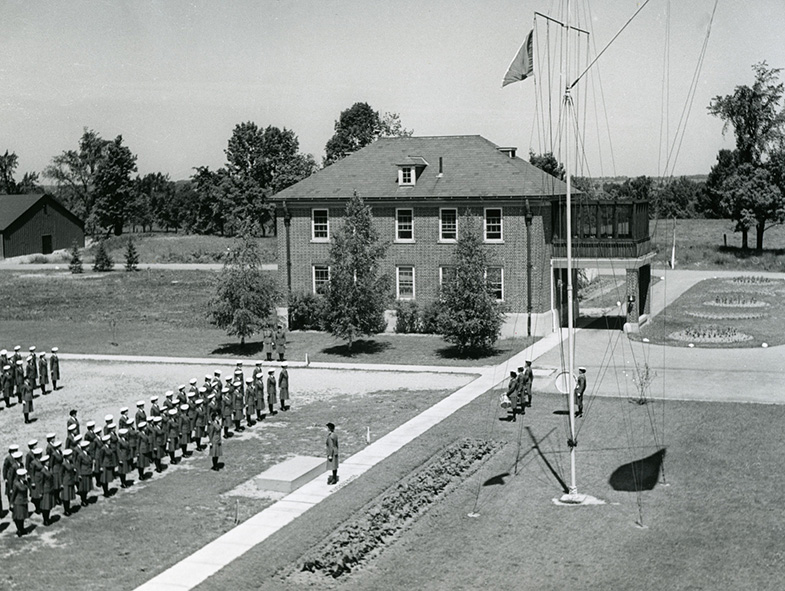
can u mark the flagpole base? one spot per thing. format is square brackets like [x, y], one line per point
[572, 499]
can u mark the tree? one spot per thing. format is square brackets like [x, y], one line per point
[548, 163]
[244, 297]
[103, 262]
[75, 266]
[74, 171]
[710, 202]
[114, 192]
[754, 113]
[469, 315]
[677, 198]
[29, 183]
[131, 256]
[753, 201]
[357, 127]
[357, 293]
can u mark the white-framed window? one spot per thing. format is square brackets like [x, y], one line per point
[406, 175]
[320, 225]
[321, 277]
[493, 224]
[494, 277]
[404, 225]
[446, 274]
[448, 225]
[404, 282]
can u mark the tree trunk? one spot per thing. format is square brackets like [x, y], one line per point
[744, 243]
[118, 229]
[759, 229]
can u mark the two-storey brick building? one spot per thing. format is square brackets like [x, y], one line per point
[419, 189]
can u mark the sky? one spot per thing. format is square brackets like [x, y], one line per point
[174, 77]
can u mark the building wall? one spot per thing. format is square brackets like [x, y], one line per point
[426, 253]
[24, 236]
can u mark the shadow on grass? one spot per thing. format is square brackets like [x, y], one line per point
[236, 349]
[638, 475]
[454, 352]
[743, 254]
[602, 322]
[498, 479]
[359, 347]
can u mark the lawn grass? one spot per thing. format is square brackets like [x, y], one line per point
[164, 313]
[712, 527]
[164, 247]
[701, 244]
[145, 529]
[680, 314]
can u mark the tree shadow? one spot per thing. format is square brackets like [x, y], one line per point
[601, 322]
[453, 352]
[498, 479]
[238, 350]
[360, 347]
[639, 475]
[751, 252]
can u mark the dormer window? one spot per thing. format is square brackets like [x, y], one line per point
[409, 170]
[406, 175]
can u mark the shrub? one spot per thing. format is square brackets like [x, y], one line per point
[131, 256]
[75, 266]
[306, 311]
[429, 318]
[407, 317]
[103, 262]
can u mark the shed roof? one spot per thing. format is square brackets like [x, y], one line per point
[471, 166]
[13, 206]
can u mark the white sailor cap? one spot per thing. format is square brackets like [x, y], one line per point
[78, 438]
[90, 424]
[153, 398]
[169, 393]
[284, 364]
[3, 352]
[140, 403]
[202, 390]
[21, 472]
[217, 372]
[193, 381]
[32, 348]
[55, 349]
[142, 424]
[38, 451]
[581, 368]
[198, 401]
[72, 427]
[45, 458]
[6, 367]
[111, 425]
[207, 376]
[172, 411]
[17, 348]
[105, 438]
[32, 443]
[249, 380]
[13, 447]
[50, 436]
[123, 410]
[16, 455]
[67, 452]
[190, 394]
[57, 443]
[259, 374]
[181, 387]
[183, 407]
[84, 443]
[108, 418]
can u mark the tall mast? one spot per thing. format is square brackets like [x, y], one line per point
[570, 318]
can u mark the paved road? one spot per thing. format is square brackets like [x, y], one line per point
[18, 266]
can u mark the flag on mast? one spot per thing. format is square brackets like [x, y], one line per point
[522, 65]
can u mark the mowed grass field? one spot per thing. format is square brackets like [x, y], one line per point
[122, 541]
[716, 525]
[164, 313]
[700, 244]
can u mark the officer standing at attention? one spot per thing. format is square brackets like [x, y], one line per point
[271, 393]
[512, 394]
[332, 453]
[283, 386]
[580, 388]
[54, 367]
[528, 380]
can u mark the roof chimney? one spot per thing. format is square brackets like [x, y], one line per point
[509, 150]
[441, 168]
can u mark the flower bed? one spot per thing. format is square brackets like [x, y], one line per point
[397, 508]
[751, 279]
[710, 334]
[736, 301]
[727, 316]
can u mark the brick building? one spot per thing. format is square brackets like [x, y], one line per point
[419, 189]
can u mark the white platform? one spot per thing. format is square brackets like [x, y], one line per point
[291, 474]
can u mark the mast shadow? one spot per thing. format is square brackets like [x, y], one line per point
[551, 469]
[638, 475]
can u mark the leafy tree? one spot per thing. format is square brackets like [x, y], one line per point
[74, 171]
[357, 127]
[548, 163]
[244, 297]
[710, 202]
[103, 262]
[113, 186]
[29, 183]
[75, 266]
[677, 198]
[131, 256]
[753, 201]
[357, 293]
[755, 114]
[469, 315]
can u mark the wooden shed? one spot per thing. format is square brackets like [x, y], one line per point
[36, 223]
